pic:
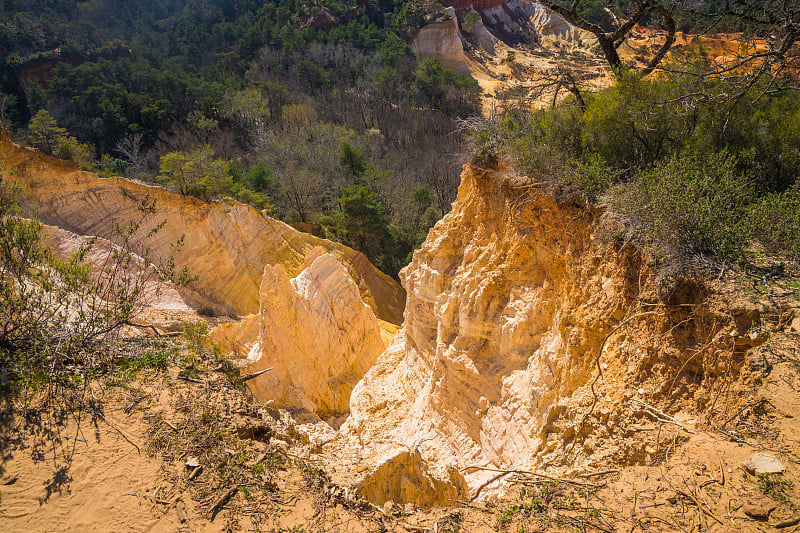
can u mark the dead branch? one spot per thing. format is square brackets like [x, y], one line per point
[252, 375]
[701, 506]
[742, 410]
[154, 329]
[221, 500]
[600, 473]
[662, 416]
[789, 522]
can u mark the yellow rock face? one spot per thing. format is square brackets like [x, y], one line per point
[511, 299]
[226, 244]
[316, 334]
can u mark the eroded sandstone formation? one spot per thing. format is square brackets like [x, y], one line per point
[442, 40]
[517, 21]
[526, 338]
[316, 334]
[226, 244]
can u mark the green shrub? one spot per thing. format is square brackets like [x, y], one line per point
[55, 311]
[775, 222]
[691, 204]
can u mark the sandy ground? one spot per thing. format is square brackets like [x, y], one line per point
[124, 469]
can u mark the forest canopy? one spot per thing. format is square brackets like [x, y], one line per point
[246, 99]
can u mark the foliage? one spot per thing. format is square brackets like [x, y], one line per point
[44, 133]
[362, 224]
[471, 21]
[243, 99]
[696, 171]
[691, 204]
[774, 486]
[54, 311]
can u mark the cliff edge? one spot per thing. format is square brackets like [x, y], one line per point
[226, 244]
[531, 342]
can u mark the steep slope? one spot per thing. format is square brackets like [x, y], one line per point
[527, 340]
[316, 334]
[519, 21]
[442, 40]
[226, 244]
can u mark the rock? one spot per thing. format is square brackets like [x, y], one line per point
[279, 444]
[388, 507]
[317, 335]
[192, 462]
[516, 21]
[226, 244]
[794, 327]
[505, 314]
[756, 511]
[409, 509]
[442, 40]
[403, 476]
[762, 463]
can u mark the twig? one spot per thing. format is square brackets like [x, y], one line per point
[701, 506]
[195, 472]
[601, 473]
[221, 500]
[116, 427]
[155, 330]
[664, 417]
[181, 514]
[252, 375]
[192, 380]
[740, 411]
[467, 504]
[789, 522]
[489, 482]
[528, 473]
[170, 425]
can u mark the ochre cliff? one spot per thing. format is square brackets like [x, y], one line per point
[442, 40]
[314, 332]
[515, 21]
[526, 339]
[226, 244]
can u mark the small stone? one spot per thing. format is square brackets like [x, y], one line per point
[409, 509]
[388, 507]
[192, 462]
[730, 470]
[280, 444]
[762, 463]
[756, 511]
[641, 392]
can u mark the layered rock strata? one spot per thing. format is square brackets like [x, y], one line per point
[316, 334]
[226, 244]
[526, 339]
[518, 21]
[442, 40]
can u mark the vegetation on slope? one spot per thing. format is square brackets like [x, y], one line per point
[246, 99]
[695, 170]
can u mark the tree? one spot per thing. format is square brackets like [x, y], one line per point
[196, 173]
[351, 160]
[44, 133]
[131, 148]
[363, 224]
[610, 41]
[471, 21]
[54, 310]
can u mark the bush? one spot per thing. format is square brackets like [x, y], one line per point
[54, 312]
[691, 204]
[775, 222]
